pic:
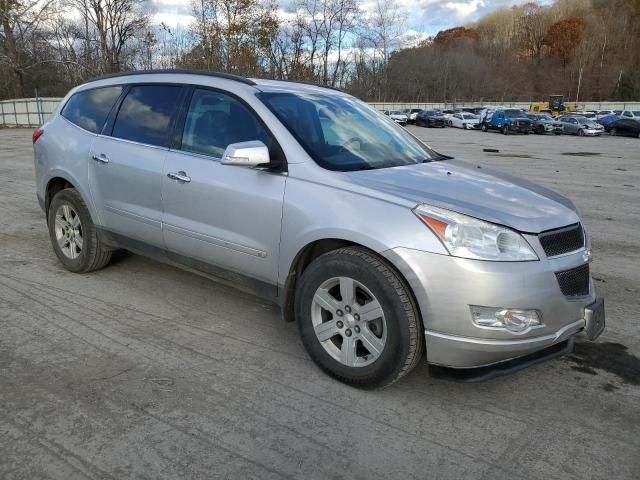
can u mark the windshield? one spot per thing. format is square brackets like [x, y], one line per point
[636, 113]
[343, 133]
[514, 113]
[396, 112]
[468, 116]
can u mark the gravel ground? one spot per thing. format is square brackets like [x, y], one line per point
[141, 370]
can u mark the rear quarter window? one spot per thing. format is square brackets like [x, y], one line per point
[89, 109]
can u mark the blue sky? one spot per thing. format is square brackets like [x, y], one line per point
[425, 16]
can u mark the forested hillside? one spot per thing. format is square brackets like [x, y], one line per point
[584, 49]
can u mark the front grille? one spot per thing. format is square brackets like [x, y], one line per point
[562, 240]
[574, 282]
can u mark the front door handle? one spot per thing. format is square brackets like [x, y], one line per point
[180, 176]
[102, 158]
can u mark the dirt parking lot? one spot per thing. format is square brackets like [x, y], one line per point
[144, 371]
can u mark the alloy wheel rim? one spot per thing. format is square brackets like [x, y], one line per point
[349, 322]
[68, 231]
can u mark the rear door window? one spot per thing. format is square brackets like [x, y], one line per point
[89, 109]
[146, 112]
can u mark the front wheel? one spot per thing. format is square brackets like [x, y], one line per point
[73, 233]
[505, 130]
[357, 318]
[484, 127]
[613, 132]
[581, 133]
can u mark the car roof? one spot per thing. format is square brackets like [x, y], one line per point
[190, 76]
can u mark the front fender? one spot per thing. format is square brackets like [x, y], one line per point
[314, 211]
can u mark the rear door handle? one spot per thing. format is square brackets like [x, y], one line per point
[102, 158]
[180, 176]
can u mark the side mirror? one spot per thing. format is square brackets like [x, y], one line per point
[246, 154]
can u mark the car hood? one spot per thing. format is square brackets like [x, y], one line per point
[483, 193]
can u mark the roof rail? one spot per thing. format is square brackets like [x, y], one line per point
[227, 76]
[304, 82]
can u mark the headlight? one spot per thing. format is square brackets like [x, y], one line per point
[468, 237]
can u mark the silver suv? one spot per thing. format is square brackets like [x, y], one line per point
[379, 247]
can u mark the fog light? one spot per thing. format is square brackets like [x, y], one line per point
[512, 319]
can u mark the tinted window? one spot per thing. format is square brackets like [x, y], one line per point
[89, 109]
[145, 114]
[216, 120]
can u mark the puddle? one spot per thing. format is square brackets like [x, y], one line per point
[511, 155]
[582, 154]
[609, 356]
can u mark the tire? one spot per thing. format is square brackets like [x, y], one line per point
[464, 126]
[613, 132]
[484, 127]
[75, 239]
[581, 133]
[540, 130]
[505, 130]
[400, 341]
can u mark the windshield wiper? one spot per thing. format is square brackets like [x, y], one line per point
[438, 157]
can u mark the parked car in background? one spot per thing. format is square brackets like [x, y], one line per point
[430, 118]
[625, 127]
[607, 119]
[581, 126]
[509, 120]
[397, 116]
[604, 113]
[589, 115]
[464, 120]
[544, 123]
[632, 114]
[381, 249]
[411, 114]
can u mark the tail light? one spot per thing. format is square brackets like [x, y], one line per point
[37, 134]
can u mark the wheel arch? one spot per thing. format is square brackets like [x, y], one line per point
[54, 185]
[313, 250]
[61, 179]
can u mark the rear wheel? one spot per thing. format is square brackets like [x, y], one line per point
[357, 318]
[73, 234]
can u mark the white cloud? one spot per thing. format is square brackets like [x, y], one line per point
[464, 10]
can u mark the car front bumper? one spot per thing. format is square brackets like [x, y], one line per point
[446, 287]
[592, 132]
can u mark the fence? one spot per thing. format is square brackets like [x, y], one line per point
[27, 112]
[33, 112]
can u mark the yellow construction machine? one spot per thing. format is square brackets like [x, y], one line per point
[555, 106]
